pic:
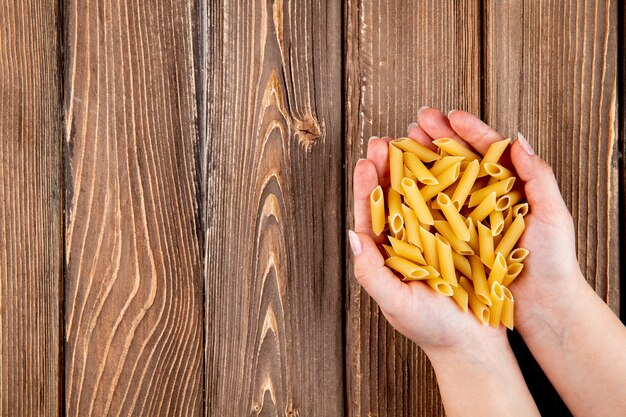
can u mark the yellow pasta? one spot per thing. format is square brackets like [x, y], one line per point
[507, 308]
[440, 286]
[456, 221]
[479, 278]
[444, 163]
[416, 201]
[446, 178]
[511, 236]
[512, 271]
[497, 299]
[465, 184]
[500, 188]
[457, 244]
[497, 171]
[377, 210]
[462, 264]
[498, 270]
[429, 247]
[460, 296]
[396, 167]
[406, 250]
[411, 223]
[421, 151]
[496, 221]
[493, 154]
[481, 311]
[476, 212]
[485, 243]
[453, 147]
[484, 208]
[418, 169]
[446, 262]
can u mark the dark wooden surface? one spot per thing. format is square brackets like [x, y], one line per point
[31, 204]
[134, 297]
[273, 210]
[175, 190]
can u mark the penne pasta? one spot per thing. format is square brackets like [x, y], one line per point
[500, 188]
[440, 286]
[493, 154]
[446, 178]
[396, 167]
[394, 201]
[461, 264]
[409, 174]
[446, 262]
[408, 269]
[479, 278]
[481, 311]
[485, 244]
[455, 220]
[429, 247]
[508, 199]
[444, 163]
[517, 255]
[406, 250]
[419, 150]
[377, 210]
[416, 201]
[454, 147]
[484, 208]
[511, 236]
[473, 242]
[457, 244]
[512, 271]
[419, 170]
[411, 225]
[507, 308]
[508, 219]
[496, 171]
[465, 184]
[520, 209]
[498, 270]
[496, 221]
[497, 299]
[389, 250]
[432, 272]
[460, 296]
[398, 234]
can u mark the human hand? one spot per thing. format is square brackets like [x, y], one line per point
[432, 321]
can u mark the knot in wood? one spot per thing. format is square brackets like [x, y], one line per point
[308, 130]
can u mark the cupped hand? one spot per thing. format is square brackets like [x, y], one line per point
[431, 320]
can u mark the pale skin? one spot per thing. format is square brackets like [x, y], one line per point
[573, 335]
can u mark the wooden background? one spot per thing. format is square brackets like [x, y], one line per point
[175, 190]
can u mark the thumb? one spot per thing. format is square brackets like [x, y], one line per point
[370, 270]
[541, 188]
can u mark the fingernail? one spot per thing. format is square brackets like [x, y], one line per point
[371, 138]
[355, 243]
[411, 126]
[450, 112]
[422, 109]
[524, 143]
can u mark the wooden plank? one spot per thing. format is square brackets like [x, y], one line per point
[400, 56]
[550, 72]
[134, 306]
[272, 178]
[31, 202]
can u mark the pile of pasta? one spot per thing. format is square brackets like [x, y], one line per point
[453, 220]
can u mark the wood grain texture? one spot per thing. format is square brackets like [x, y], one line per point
[272, 171]
[134, 302]
[551, 73]
[31, 202]
[399, 56]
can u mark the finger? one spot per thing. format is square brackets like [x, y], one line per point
[541, 188]
[473, 130]
[364, 180]
[378, 280]
[419, 135]
[437, 125]
[378, 154]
